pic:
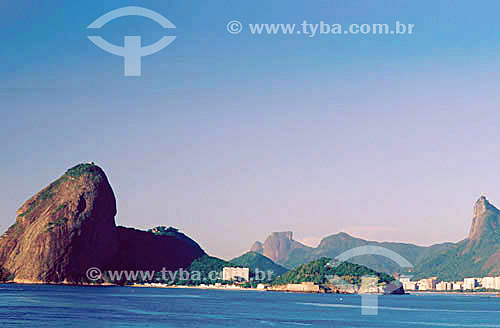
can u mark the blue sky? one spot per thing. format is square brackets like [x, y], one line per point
[230, 137]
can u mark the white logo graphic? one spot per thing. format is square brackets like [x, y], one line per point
[132, 50]
[369, 303]
[94, 274]
[234, 27]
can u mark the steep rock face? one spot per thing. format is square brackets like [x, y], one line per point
[69, 227]
[257, 247]
[333, 245]
[277, 246]
[63, 230]
[336, 244]
[476, 256]
[486, 220]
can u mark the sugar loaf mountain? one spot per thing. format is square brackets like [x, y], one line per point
[69, 227]
[477, 255]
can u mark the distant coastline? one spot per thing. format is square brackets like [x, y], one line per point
[233, 288]
[468, 293]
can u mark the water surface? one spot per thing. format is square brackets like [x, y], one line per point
[68, 306]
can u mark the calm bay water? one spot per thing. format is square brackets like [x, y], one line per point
[66, 306]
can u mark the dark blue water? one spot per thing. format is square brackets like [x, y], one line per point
[64, 306]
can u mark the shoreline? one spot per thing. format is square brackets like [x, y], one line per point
[58, 284]
[415, 293]
[495, 294]
[196, 287]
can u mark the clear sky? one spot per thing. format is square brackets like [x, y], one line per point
[230, 137]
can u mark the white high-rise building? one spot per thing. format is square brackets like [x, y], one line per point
[230, 273]
[470, 283]
[458, 285]
[427, 283]
[444, 286]
[407, 283]
[488, 283]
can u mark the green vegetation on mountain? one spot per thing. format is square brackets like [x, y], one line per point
[207, 264]
[454, 264]
[57, 223]
[52, 189]
[208, 270]
[281, 248]
[256, 261]
[203, 270]
[81, 169]
[60, 208]
[323, 270]
[476, 256]
[468, 259]
[164, 231]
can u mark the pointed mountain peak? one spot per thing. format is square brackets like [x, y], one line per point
[64, 229]
[344, 235]
[283, 235]
[486, 219]
[257, 247]
[277, 246]
[481, 206]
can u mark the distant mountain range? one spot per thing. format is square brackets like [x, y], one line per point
[278, 247]
[477, 255]
[281, 248]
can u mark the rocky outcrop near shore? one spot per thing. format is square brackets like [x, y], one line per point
[69, 227]
[143, 250]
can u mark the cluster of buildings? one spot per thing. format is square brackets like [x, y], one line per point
[433, 284]
[305, 287]
[236, 274]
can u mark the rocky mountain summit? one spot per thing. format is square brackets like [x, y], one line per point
[477, 255]
[485, 222]
[69, 227]
[277, 246]
[289, 253]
